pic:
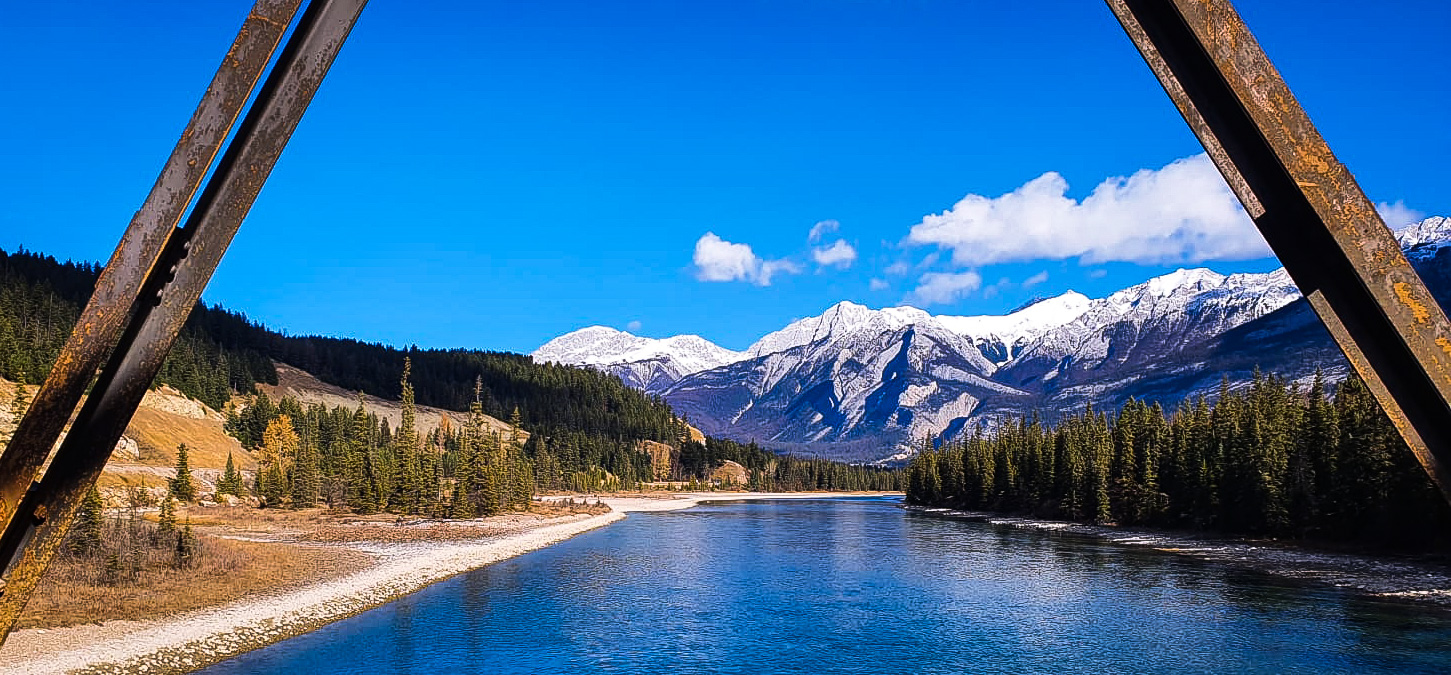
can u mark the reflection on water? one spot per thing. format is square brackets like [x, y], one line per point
[860, 586]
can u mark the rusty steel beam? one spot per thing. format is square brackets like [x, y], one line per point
[1310, 210]
[171, 290]
[119, 286]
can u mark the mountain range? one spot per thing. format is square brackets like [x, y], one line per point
[864, 384]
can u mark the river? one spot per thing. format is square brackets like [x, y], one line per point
[862, 586]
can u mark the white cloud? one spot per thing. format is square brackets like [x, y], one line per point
[878, 284]
[1398, 215]
[1182, 213]
[1098, 273]
[822, 229]
[898, 268]
[944, 287]
[1035, 279]
[632, 326]
[719, 260]
[839, 255]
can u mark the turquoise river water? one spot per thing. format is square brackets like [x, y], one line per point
[861, 586]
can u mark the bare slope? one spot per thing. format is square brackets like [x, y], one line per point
[307, 389]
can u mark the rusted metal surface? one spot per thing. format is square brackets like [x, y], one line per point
[170, 290]
[119, 285]
[1310, 210]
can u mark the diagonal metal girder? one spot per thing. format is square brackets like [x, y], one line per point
[1310, 210]
[114, 301]
[171, 288]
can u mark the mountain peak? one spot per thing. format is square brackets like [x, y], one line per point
[1197, 278]
[1013, 330]
[602, 345]
[1433, 230]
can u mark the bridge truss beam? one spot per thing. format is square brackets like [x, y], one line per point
[1310, 210]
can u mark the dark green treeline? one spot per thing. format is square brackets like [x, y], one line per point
[40, 300]
[349, 458]
[770, 472]
[1270, 460]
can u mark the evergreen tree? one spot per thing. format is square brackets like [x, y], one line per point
[187, 547]
[306, 482]
[408, 487]
[231, 481]
[85, 535]
[181, 487]
[1263, 460]
[166, 521]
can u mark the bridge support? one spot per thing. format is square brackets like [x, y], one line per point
[155, 278]
[1310, 210]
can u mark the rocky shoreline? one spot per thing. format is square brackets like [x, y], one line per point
[1408, 578]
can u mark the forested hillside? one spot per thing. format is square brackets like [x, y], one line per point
[1271, 460]
[40, 299]
[221, 351]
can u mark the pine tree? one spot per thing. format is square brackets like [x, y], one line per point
[181, 487]
[85, 537]
[231, 481]
[408, 481]
[1320, 440]
[166, 521]
[187, 548]
[306, 482]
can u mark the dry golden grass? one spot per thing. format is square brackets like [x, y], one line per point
[72, 591]
[157, 433]
[243, 551]
[324, 526]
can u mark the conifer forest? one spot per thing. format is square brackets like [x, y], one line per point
[1270, 460]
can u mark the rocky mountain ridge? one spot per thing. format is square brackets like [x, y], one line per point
[862, 384]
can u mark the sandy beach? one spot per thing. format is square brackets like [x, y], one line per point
[198, 638]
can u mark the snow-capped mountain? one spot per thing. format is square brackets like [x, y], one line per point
[1145, 322]
[868, 382]
[645, 363]
[1002, 338]
[1426, 236]
[851, 375]
[863, 384]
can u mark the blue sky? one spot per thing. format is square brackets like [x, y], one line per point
[491, 175]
